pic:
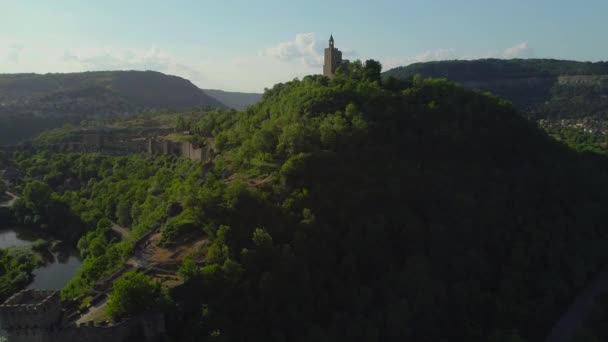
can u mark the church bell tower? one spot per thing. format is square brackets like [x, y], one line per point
[333, 59]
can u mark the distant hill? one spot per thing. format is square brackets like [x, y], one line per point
[126, 90]
[544, 88]
[31, 103]
[234, 100]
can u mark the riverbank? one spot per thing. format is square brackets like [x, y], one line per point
[38, 261]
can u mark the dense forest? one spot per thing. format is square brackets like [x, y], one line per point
[347, 209]
[543, 88]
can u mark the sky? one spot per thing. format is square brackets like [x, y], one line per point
[250, 45]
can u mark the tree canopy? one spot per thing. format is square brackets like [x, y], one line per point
[134, 293]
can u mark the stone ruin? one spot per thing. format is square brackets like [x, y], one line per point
[31, 315]
[38, 316]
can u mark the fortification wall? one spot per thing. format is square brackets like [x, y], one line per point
[188, 150]
[584, 80]
[148, 327]
[36, 316]
[31, 309]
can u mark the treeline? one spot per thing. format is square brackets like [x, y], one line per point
[492, 69]
[578, 139]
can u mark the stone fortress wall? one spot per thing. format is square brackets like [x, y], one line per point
[37, 316]
[583, 80]
[116, 143]
[31, 315]
[188, 150]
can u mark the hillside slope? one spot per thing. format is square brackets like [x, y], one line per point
[234, 100]
[350, 210]
[544, 88]
[130, 89]
[343, 210]
[31, 103]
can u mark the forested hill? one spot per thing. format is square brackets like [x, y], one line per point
[544, 88]
[32, 103]
[348, 209]
[126, 90]
[355, 210]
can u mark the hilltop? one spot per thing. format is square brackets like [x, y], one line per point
[349, 209]
[32, 103]
[543, 88]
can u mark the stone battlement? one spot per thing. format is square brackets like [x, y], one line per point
[31, 309]
[29, 298]
[31, 302]
[37, 316]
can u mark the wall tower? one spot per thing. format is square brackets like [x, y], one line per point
[333, 59]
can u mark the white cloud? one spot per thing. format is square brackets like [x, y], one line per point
[428, 56]
[304, 49]
[249, 72]
[13, 53]
[522, 50]
[110, 58]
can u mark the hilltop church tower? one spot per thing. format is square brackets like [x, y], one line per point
[333, 59]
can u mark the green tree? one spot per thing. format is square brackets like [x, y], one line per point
[261, 238]
[373, 70]
[189, 270]
[135, 293]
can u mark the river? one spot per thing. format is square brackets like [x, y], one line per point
[62, 263]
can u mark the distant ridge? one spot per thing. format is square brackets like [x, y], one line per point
[126, 90]
[234, 100]
[33, 103]
[543, 88]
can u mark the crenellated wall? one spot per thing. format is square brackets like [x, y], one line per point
[31, 315]
[36, 316]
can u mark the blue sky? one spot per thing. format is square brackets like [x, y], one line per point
[250, 45]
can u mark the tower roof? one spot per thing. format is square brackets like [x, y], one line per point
[331, 37]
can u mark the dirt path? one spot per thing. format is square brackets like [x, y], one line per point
[572, 319]
[123, 232]
[13, 196]
[10, 202]
[153, 255]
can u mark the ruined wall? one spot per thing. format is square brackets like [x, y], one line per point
[194, 152]
[36, 316]
[31, 316]
[584, 80]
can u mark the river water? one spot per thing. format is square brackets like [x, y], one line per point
[61, 264]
